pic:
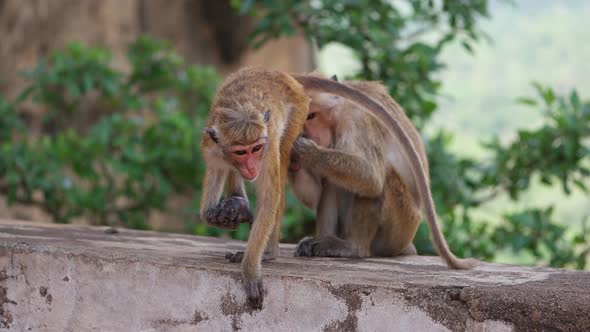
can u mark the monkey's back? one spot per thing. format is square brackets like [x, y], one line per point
[381, 141]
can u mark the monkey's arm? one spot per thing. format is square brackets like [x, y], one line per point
[235, 185]
[268, 193]
[231, 211]
[354, 173]
[212, 189]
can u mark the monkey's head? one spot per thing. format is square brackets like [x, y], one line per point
[321, 118]
[242, 136]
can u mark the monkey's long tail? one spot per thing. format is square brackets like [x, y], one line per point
[325, 85]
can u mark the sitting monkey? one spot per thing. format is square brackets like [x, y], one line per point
[350, 170]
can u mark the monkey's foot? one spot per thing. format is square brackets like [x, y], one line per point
[254, 292]
[329, 246]
[409, 251]
[305, 247]
[229, 213]
[239, 255]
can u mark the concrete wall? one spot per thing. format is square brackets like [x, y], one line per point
[72, 278]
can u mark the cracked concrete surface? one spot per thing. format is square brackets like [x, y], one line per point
[74, 278]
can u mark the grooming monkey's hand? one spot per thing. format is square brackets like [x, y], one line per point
[303, 149]
[229, 213]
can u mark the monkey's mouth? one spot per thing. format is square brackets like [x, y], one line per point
[249, 175]
[294, 166]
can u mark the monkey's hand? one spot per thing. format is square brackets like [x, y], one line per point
[238, 256]
[229, 213]
[303, 151]
[254, 292]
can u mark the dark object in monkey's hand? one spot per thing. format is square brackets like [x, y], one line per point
[229, 213]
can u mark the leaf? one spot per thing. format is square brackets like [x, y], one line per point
[246, 6]
[581, 185]
[24, 94]
[526, 101]
[467, 46]
[575, 100]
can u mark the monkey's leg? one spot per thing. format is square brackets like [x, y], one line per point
[327, 213]
[306, 187]
[361, 226]
[409, 251]
[401, 219]
[326, 219]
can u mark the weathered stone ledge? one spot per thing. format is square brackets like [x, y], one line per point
[73, 278]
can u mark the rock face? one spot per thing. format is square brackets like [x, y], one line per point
[72, 278]
[204, 32]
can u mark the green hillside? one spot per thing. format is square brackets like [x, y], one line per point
[544, 41]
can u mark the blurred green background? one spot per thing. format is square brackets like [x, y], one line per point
[106, 131]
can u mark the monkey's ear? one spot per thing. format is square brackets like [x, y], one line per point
[212, 134]
[266, 116]
[334, 78]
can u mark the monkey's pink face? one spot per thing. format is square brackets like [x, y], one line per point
[248, 158]
[318, 126]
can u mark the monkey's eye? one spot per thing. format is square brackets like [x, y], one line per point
[240, 152]
[311, 115]
[257, 148]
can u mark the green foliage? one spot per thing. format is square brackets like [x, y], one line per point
[535, 233]
[557, 151]
[136, 145]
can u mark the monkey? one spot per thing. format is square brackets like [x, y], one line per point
[255, 118]
[391, 116]
[348, 223]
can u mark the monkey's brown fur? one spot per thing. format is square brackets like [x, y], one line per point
[363, 206]
[248, 94]
[398, 130]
